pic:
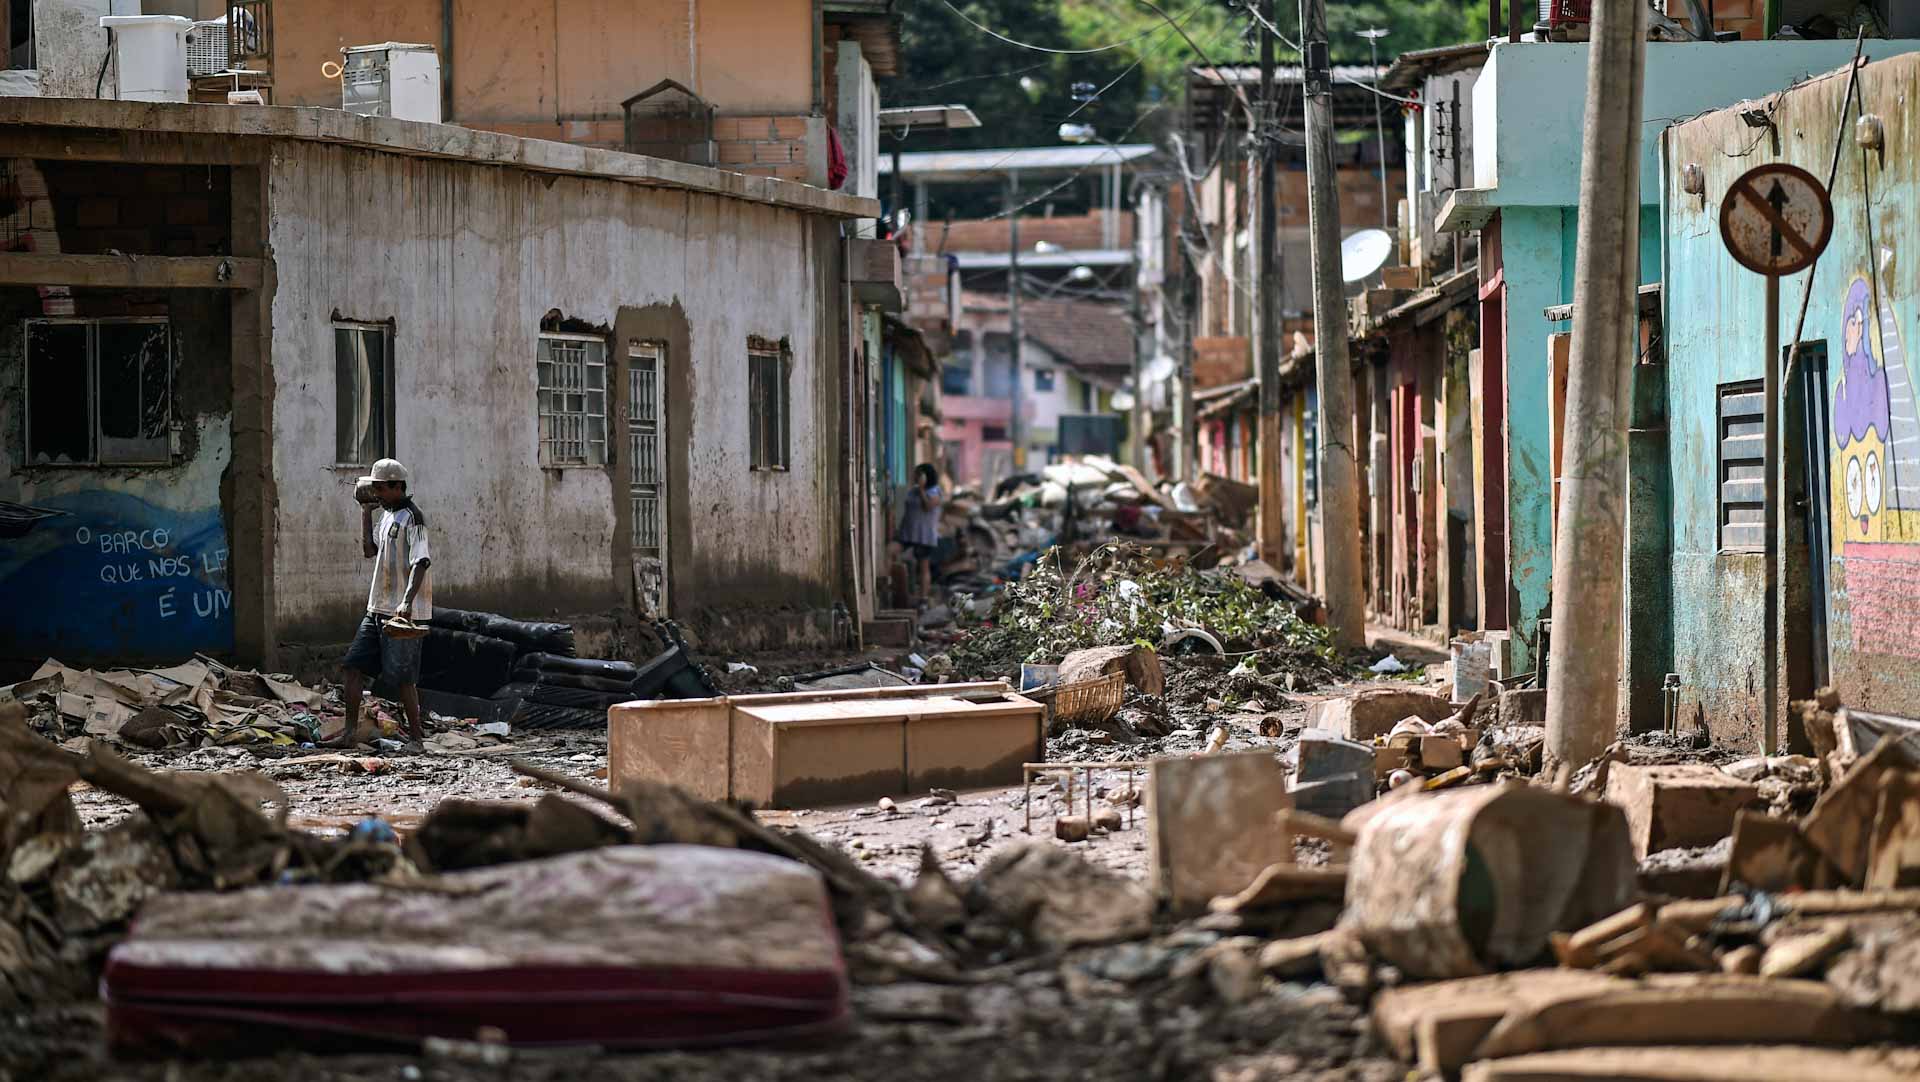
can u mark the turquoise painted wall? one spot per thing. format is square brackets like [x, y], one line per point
[1529, 112]
[1538, 246]
[1715, 313]
[1530, 104]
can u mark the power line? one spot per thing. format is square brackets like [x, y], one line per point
[976, 78]
[991, 32]
[993, 169]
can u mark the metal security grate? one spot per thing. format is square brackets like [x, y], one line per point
[572, 400]
[646, 432]
[643, 446]
[1743, 468]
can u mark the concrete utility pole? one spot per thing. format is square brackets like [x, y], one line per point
[1583, 693]
[1333, 376]
[1267, 302]
[1017, 424]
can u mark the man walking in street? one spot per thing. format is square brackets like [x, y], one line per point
[393, 534]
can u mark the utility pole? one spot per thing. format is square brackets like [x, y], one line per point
[1373, 36]
[1267, 302]
[1017, 425]
[1333, 376]
[1583, 694]
[1136, 422]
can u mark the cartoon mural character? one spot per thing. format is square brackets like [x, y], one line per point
[1861, 425]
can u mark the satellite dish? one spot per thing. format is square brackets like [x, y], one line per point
[1363, 254]
[1160, 368]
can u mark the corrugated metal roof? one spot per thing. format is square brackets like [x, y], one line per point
[974, 164]
[1249, 74]
[1409, 68]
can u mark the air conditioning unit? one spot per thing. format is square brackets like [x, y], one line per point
[207, 47]
[391, 79]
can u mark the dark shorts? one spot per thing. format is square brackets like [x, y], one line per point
[382, 655]
[922, 553]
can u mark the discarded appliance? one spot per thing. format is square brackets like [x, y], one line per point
[799, 749]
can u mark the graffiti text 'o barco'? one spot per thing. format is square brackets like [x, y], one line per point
[129, 540]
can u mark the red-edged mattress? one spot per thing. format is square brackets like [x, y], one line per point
[627, 947]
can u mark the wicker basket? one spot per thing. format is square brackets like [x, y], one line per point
[1088, 701]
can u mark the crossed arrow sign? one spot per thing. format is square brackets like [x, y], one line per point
[1776, 219]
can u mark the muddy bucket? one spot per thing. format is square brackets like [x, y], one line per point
[1461, 883]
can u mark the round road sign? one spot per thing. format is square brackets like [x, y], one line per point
[1776, 219]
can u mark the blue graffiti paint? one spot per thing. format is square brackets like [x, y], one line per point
[116, 577]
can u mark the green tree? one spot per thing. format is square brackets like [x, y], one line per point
[1023, 95]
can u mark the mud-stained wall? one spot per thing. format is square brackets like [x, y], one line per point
[1864, 311]
[466, 260]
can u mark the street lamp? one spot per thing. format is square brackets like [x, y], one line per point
[1373, 36]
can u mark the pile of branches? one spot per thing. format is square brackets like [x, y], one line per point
[1121, 595]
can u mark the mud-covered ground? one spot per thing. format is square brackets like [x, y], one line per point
[1149, 1010]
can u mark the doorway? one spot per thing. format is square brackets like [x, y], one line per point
[1816, 442]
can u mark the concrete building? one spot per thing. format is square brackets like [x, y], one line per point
[1526, 113]
[762, 79]
[1218, 260]
[621, 382]
[1075, 355]
[1849, 583]
[1081, 251]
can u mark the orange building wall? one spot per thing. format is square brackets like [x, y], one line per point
[560, 69]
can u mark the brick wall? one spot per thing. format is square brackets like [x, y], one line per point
[1078, 232]
[140, 209]
[774, 146]
[1220, 361]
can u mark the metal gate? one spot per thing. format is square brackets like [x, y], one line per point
[646, 424]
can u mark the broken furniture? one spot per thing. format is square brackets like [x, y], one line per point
[629, 946]
[806, 749]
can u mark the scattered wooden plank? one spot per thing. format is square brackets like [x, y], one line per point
[1694, 1008]
[1798, 955]
[1283, 884]
[1397, 1011]
[1739, 1063]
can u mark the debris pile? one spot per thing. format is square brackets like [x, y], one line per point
[532, 668]
[197, 702]
[1120, 595]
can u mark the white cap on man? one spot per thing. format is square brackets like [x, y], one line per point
[387, 469]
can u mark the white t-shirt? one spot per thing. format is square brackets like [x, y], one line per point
[399, 541]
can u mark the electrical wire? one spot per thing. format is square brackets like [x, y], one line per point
[974, 78]
[1374, 90]
[993, 170]
[995, 34]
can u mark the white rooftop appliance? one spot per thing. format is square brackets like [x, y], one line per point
[150, 56]
[392, 79]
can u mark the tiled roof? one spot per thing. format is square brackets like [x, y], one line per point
[1096, 338]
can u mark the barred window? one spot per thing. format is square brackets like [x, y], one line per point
[769, 410]
[573, 400]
